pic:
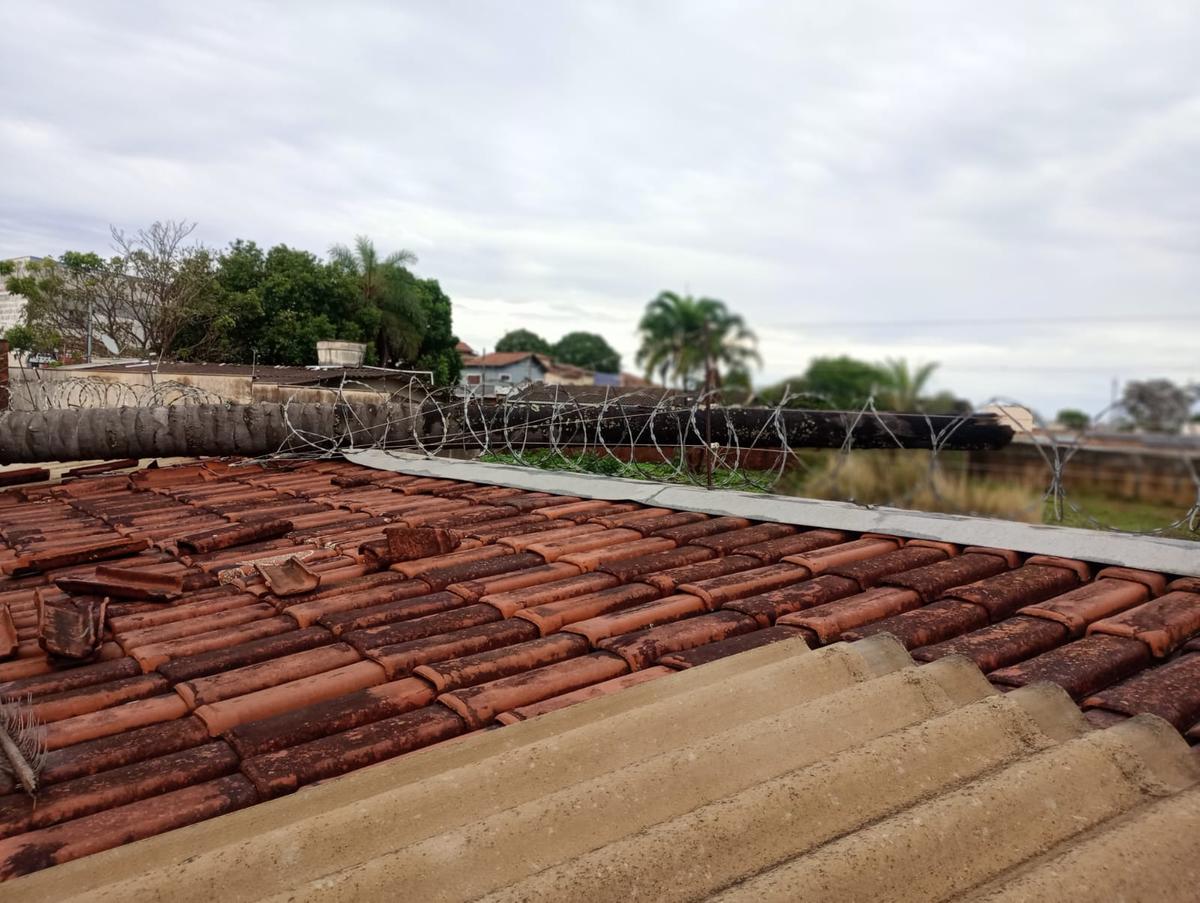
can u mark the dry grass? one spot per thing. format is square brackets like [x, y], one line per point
[909, 479]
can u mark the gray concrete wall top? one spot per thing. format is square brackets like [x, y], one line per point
[1171, 556]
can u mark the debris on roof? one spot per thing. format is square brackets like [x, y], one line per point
[269, 627]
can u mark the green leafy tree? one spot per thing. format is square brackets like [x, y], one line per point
[901, 386]
[437, 352]
[1073, 419]
[140, 301]
[842, 382]
[523, 340]
[25, 340]
[386, 285]
[587, 350]
[945, 402]
[692, 340]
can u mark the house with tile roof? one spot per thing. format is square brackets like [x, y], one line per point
[389, 676]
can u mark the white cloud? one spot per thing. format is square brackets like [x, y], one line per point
[556, 165]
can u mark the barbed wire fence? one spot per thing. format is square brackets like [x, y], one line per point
[663, 436]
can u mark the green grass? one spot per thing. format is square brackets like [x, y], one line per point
[607, 465]
[1119, 514]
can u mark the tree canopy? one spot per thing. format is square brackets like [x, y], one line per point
[523, 340]
[162, 296]
[1073, 419]
[845, 383]
[588, 350]
[1157, 405]
[692, 340]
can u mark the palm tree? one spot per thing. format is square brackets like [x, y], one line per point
[693, 339]
[386, 285]
[902, 388]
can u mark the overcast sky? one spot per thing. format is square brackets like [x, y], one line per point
[1012, 189]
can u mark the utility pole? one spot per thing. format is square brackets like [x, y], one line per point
[89, 332]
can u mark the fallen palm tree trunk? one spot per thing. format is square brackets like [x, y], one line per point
[254, 430]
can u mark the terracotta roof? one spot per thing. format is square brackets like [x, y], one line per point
[506, 358]
[224, 677]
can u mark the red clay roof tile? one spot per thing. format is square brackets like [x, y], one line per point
[331, 716]
[286, 770]
[475, 638]
[627, 569]
[869, 571]
[726, 542]
[998, 645]
[932, 580]
[716, 591]
[1155, 583]
[399, 659]
[711, 652]
[1163, 624]
[58, 706]
[220, 716]
[592, 559]
[638, 617]
[695, 529]
[418, 628]
[474, 590]
[646, 647]
[510, 602]
[1170, 691]
[250, 678]
[551, 616]
[479, 705]
[1081, 668]
[1080, 607]
[927, 625]
[595, 691]
[772, 550]
[481, 667]
[669, 580]
[62, 802]
[826, 622]
[1003, 595]
[93, 833]
[768, 607]
[819, 561]
[391, 612]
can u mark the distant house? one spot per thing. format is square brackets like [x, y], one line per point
[501, 371]
[464, 350]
